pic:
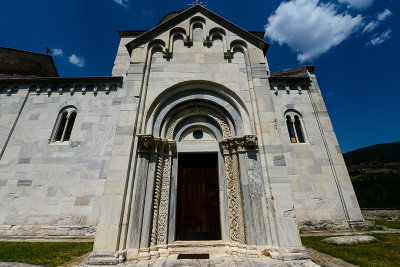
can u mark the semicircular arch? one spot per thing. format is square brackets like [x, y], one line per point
[194, 91]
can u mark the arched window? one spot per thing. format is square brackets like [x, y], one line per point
[64, 124]
[295, 127]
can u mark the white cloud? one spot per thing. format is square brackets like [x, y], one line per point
[123, 3]
[384, 15]
[57, 52]
[359, 4]
[310, 28]
[75, 60]
[376, 40]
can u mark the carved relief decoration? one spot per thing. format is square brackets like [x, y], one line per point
[157, 194]
[164, 149]
[230, 148]
[164, 200]
[215, 115]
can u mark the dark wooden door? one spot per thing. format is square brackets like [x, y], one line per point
[198, 198]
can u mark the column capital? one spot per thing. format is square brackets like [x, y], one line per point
[239, 144]
[147, 143]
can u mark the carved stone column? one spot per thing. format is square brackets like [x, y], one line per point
[235, 204]
[157, 191]
[165, 194]
[230, 148]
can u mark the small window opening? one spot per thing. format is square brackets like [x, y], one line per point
[64, 124]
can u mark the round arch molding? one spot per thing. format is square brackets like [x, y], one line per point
[223, 101]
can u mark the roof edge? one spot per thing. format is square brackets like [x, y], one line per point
[175, 19]
[302, 71]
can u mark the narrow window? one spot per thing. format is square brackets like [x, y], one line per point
[299, 131]
[291, 129]
[61, 126]
[71, 121]
[65, 122]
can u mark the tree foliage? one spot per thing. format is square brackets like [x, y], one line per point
[375, 174]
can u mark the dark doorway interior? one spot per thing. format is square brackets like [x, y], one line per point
[198, 198]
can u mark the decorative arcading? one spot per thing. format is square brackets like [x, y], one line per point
[198, 110]
[157, 194]
[165, 189]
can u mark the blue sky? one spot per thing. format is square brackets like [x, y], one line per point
[353, 43]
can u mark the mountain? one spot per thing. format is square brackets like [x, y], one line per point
[375, 174]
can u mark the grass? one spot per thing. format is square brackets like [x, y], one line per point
[385, 252]
[43, 253]
[389, 224]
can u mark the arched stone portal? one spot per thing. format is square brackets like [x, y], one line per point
[221, 117]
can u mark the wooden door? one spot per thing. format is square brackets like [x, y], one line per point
[198, 215]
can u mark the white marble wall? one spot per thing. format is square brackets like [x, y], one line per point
[52, 189]
[323, 195]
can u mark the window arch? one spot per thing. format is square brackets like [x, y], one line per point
[64, 124]
[295, 127]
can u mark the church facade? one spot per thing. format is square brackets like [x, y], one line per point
[192, 138]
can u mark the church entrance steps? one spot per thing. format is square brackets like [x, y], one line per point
[220, 261]
[198, 247]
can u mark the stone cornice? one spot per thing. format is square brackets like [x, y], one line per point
[61, 85]
[290, 79]
[53, 80]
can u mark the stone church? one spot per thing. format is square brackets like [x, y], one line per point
[191, 143]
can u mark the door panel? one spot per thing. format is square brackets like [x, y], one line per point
[198, 215]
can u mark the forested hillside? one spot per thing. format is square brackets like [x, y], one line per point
[375, 174]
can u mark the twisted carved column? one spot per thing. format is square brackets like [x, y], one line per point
[157, 192]
[230, 148]
[165, 190]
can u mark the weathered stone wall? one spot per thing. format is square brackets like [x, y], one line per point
[381, 214]
[322, 191]
[55, 189]
[172, 68]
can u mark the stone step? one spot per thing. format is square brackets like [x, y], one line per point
[198, 247]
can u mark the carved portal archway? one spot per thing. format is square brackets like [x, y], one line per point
[174, 119]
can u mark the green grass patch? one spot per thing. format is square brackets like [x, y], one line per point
[385, 252]
[43, 253]
[389, 224]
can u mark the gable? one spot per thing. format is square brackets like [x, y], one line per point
[192, 13]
